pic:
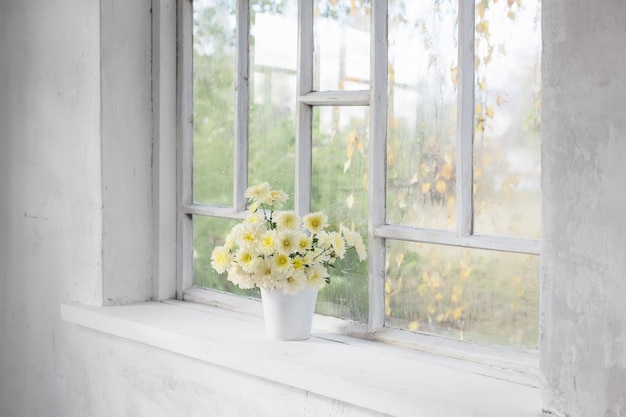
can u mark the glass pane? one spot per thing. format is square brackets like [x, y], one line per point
[483, 296]
[209, 232]
[340, 191]
[273, 47]
[342, 45]
[422, 114]
[214, 63]
[507, 143]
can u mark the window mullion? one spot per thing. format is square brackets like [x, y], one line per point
[377, 158]
[242, 101]
[304, 130]
[184, 160]
[465, 120]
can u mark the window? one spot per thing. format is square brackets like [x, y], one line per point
[418, 122]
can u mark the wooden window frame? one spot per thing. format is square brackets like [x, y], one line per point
[379, 231]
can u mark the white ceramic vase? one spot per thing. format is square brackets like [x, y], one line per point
[288, 317]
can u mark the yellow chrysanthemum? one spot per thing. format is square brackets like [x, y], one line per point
[297, 263]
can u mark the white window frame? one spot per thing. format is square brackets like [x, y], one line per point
[379, 231]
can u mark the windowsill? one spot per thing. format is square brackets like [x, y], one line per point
[385, 378]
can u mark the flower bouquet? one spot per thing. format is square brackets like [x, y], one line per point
[278, 250]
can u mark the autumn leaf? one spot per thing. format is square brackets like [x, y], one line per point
[441, 187]
[454, 73]
[399, 259]
[446, 171]
[481, 10]
[350, 201]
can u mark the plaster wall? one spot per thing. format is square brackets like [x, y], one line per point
[126, 135]
[50, 192]
[584, 200]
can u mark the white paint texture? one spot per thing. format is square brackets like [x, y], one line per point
[76, 222]
[50, 193]
[125, 64]
[584, 208]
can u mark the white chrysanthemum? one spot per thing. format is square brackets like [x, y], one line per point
[245, 259]
[324, 240]
[253, 206]
[319, 255]
[267, 243]
[304, 243]
[231, 237]
[241, 278]
[266, 274]
[281, 262]
[287, 220]
[254, 218]
[309, 257]
[294, 283]
[339, 245]
[315, 222]
[361, 250]
[278, 197]
[286, 242]
[248, 234]
[316, 276]
[355, 240]
[260, 192]
[348, 235]
[221, 259]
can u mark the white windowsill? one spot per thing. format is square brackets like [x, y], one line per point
[384, 378]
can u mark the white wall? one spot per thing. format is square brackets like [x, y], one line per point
[75, 172]
[584, 208]
[50, 207]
